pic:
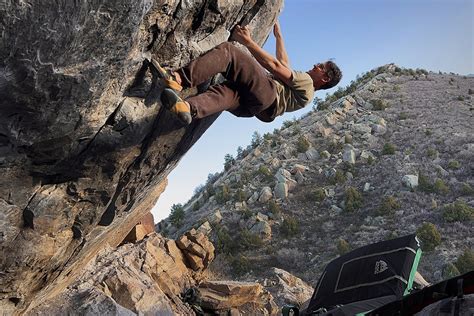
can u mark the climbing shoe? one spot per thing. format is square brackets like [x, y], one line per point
[167, 78]
[182, 109]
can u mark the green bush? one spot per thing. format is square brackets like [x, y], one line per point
[264, 170]
[424, 183]
[240, 195]
[240, 264]
[379, 105]
[431, 152]
[429, 236]
[343, 246]
[223, 194]
[353, 199]
[460, 98]
[248, 240]
[317, 195]
[389, 206]
[302, 144]
[290, 227]
[335, 147]
[454, 164]
[339, 177]
[458, 211]
[389, 149]
[229, 161]
[224, 242]
[466, 189]
[274, 207]
[370, 160]
[440, 187]
[177, 215]
[403, 116]
[450, 271]
[465, 262]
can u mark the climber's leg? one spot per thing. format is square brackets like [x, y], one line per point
[256, 90]
[216, 99]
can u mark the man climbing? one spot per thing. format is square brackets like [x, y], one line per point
[249, 90]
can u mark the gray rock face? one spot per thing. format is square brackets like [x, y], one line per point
[85, 146]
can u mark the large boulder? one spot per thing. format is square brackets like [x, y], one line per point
[85, 144]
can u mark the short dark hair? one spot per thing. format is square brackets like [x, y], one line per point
[334, 74]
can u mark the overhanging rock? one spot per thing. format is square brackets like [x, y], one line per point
[83, 141]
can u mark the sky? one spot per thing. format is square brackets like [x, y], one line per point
[359, 35]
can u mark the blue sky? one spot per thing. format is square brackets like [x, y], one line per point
[359, 35]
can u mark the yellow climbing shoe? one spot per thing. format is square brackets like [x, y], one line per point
[168, 79]
[181, 108]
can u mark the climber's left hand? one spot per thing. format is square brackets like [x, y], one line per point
[242, 35]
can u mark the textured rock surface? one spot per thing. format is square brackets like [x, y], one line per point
[82, 142]
[143, 278]
[248, 298]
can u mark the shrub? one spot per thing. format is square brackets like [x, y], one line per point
[240, 196]
[353, 199]
[274, 207]
[470, 91]
[177, 215]
[389, 206]
[266, 173]
[388, 149]
[302, 144]
[429, 236]
[424, 183]
[440, 187]
[458, 211]
[335, 147]
[223, 194]
[342, 246]
[466, 189]
[240, 264]
[248, 240]
[338, 177]
[229, 161]
[454, 164]
[256, 139]
[431, 152]
[289, 227]
[288, 123]
[460, 98]
[224, 242]
[379, 105]
[465, 262]
[450, 271]
[317, 195]
[196, 206]
[370, 160]
[403, 116]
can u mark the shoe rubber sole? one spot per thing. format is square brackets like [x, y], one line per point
[167, 79]
[176, 105]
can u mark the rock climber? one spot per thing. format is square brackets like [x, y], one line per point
[263, 86]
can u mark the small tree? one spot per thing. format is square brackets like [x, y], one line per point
[353, 199]
[228, 161]
[240, 152]
[342, 246]
[465, 262]
[290, 227]
[177, 214]
[256, 139]
[429, 235]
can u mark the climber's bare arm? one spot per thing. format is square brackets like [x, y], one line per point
[270, 63]
[281, 54]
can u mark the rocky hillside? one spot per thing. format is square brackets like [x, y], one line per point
[85, 146]
[389, 155]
